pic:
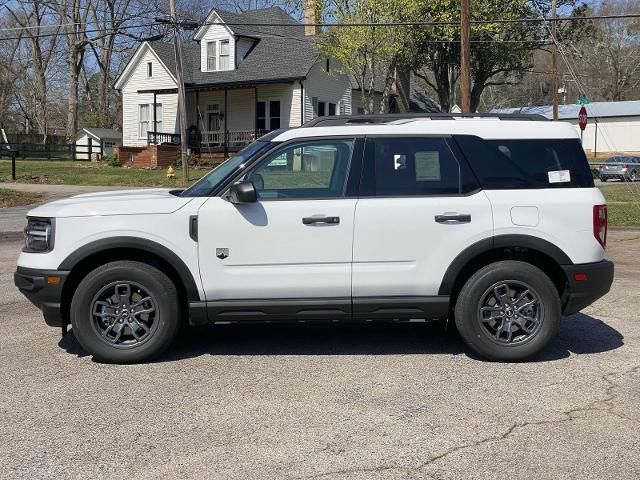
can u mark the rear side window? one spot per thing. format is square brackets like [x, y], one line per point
[527, 163]
[413, 166]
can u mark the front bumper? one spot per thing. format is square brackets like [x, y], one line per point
[587, 283]
[43, 288]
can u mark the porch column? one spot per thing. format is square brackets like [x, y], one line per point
[155, 120]
[255, 113]
[226, 132]
[198, 124]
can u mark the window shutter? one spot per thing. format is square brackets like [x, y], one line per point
[314, 106]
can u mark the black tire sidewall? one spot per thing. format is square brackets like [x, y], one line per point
[466, 310]
[154, 282]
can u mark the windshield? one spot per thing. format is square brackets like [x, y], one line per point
[204, 186]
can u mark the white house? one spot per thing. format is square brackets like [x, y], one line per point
[241, 81]
[611, 126]
[92, 141]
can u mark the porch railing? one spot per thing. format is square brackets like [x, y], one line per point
[232, 138]
[158, 138]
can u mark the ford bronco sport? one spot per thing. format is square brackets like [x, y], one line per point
[492, 222]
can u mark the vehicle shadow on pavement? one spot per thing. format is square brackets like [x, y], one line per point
[579, 334]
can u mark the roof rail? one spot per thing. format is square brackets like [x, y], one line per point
[378, 118]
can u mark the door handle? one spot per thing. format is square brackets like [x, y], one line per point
[327, 220]
[453, 218]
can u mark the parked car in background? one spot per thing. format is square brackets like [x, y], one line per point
[625, 168]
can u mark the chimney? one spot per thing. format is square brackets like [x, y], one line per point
[310, 9]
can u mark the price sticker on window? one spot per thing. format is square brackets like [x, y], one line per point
[560, 176]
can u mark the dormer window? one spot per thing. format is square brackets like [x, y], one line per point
[212, 59]
[224, 54]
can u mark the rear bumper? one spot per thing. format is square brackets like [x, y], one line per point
[597, 280]
[43, 288]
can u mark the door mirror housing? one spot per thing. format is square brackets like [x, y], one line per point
[243, 192]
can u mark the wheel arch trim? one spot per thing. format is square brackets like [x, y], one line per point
[495, 243]
[125, 242]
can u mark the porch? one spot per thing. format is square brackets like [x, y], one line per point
[225, 118]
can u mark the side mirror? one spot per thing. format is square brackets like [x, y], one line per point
[243, 192]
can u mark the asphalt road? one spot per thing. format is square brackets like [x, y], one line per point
[326, 402]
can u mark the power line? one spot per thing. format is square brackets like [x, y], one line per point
[359, 24]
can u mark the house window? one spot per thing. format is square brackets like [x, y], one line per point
[342, 108]
[268, 115]
[322, 109]
[158, 118]
[143, 119]
[211, 56]
[149, 69]
[332, 109]
[213, 117]
[224, 55]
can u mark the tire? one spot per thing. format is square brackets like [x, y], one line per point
[137, 333]
[633, 176]
[490, 292]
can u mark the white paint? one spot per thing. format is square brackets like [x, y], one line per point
[82, 141]
[331, 87]
[272, 254]
[614, 134]
[488, 128]
[399, 248]
[525, 216]
[566, 218]
[131, 100]
[217, 32]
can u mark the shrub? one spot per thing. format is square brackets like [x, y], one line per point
[113, 161]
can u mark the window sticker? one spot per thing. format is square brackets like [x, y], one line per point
[560, 176]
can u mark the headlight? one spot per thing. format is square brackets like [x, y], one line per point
[39, 235]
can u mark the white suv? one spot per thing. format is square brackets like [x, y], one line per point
[494, 222]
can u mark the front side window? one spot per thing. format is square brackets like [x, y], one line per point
[224, 55]
[211, 57]
[143, 120]
[414, 166]
[312, 169]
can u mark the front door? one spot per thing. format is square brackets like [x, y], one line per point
[293, 245]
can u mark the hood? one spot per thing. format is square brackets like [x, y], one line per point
[118, 202]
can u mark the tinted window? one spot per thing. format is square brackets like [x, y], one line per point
[413, 166]
[313, 169]
[527, 163]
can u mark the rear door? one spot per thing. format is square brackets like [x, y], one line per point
[420, 206]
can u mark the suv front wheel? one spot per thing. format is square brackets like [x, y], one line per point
[508, 311]
[125, 312]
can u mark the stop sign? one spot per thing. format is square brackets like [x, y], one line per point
[582, 118]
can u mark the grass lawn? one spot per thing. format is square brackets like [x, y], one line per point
[89, 173]
[623, 204]
[13, 198]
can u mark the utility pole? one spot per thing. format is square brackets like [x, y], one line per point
[554, 61]
[465, 55]
[182, 109]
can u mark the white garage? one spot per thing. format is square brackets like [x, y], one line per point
[611, 127]
[96, 143]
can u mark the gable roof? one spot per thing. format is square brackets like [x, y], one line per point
[570, 112]
[100, 133]
[272, 59]
[273, 22]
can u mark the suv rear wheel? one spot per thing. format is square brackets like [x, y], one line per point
[125, 312]
[508, 310]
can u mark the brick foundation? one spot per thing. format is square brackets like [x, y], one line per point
[151, 156]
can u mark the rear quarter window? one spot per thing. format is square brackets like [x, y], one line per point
[527, 163]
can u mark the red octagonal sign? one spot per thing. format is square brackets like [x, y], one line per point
[582, 118]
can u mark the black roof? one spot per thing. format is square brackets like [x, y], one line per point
[281, 53]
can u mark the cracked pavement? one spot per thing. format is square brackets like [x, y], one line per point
[326, 402]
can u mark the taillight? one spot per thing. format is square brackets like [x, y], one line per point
[600, 224]
[625, 166]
